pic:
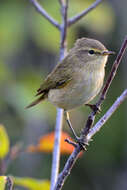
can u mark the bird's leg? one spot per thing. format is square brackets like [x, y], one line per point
[66, 115]
[94, 107]
[79, 140]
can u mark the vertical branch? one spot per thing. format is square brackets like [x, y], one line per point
[59, 118]
[56, 151]
[64, 7]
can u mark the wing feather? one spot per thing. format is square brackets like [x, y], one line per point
[58, 78]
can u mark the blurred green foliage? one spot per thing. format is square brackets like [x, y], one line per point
[29, 49]
[2, 182]
[4, 142]
[32, 184]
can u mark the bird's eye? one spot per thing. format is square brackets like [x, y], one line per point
[91, 52]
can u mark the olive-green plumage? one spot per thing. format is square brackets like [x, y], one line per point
[78, 78]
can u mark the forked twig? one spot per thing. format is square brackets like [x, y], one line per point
[43, 12]
[83, 13]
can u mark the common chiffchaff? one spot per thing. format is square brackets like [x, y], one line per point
[78, 78]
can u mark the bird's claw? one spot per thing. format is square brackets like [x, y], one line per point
[83, 142]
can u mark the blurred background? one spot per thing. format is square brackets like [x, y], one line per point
[29, 50]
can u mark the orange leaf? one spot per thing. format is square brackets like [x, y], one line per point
[46, 144]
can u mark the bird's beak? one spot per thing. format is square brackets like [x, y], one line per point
[106, 52]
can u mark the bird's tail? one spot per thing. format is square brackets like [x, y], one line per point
[37, 101]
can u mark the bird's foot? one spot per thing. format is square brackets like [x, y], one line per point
[82, 141]
[94, 107]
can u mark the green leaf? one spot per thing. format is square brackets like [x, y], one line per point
[4, 142]
[32, 184]
[3, 180]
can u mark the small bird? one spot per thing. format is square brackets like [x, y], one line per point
[78, 78]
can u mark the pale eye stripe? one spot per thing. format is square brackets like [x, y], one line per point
[87, 51]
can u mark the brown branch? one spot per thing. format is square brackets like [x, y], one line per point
[68, 167]
[42, 11]
[83, 13]
[85, 132]
[111, 76]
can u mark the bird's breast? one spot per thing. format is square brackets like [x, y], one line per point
[83, 87]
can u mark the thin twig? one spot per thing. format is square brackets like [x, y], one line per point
[111, 76]
[85, 133]
[73, 157]
[71, 142]
[59, 118]
[83, 13]
[107, 115]
[42, 11]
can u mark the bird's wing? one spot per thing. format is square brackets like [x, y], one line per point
[58, 78]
